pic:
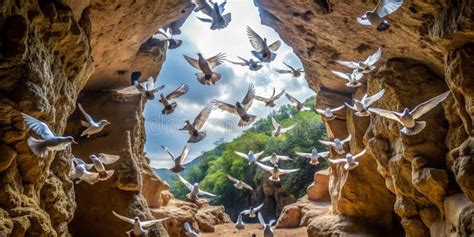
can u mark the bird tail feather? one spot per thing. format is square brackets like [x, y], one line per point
[85, 124]
[419, 126]
[38, 147]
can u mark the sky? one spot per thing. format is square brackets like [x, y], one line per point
[233, 41]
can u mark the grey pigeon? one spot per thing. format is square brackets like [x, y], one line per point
[295, 72]
[350, 161]
[253, 65]
[139, 227]
[315, 156]
[337, 144]
[238, 184]
[48, 141]
[92, 127]
[263, 52]
[179, 161]
[275, 171]
[299, 106]
[240, 108]
[239, 224]
[169, 106]
[361, 107]
[267, 228]
[218, 20]
[353, 79]
[328, 113]
[408, 118]
[206, 76]
[146, 88]
[194, 129]
[251, 157]
[376, 17]
[80, 172]
[194, 189]
[366, 66]
[270, 102]
[278, 129]
[274, 158]
[252, 211]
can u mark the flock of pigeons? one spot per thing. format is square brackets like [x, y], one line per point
[96, 171]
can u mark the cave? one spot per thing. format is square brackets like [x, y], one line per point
[55, 54]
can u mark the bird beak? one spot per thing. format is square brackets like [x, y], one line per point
[74, 142]
[109, 122]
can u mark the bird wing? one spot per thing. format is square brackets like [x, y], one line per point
[338, 108]
[187, 227]
[241, 154]
[337, 161]
[216, 60]
[108, 159]
[348, 138]
[350, 106]
[123, 218]
[385, 113]
[236, 63]
[428, 105]
[261, 220]
[181, 90]
[204, 19]
[192, 61]
[259, 98]
[282, 71]
[290, 67]
[320, 111]
[150, 84]
[255, 40]
[349, 64]
[258, 208]
[185, 182]
[363, 20]
[279, 95]
[386, 7]
[292, 99]
[327, 143]
[275, 46]
[37, 126]
[342, 75]
[129, 90]
[265, 159]
[245, 212]
[284, 130]
[224, 106]
[248, 99]
[147, 224]
[285, 171]
[207, 193]
[305, 155]
[86, 115]
[258, 154]
[264, 167]
[232, 178]
[275, 123]
[359, 154]
[222, 6]
[284, 157]
[169, 152]
[372, 59]
[202, 116]
[203, 6]
[324, 154]
[371, 99]
[184, 154]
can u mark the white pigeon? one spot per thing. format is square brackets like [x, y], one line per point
[270, 102]
[169, 106]
[190, 232]
[206, 76]
[239, 224]
[179, 161]
[103, 159]
[218, 20]
[337, 144]
[350, 160]
[328, 113]
[274, 158]
[252, 211]
[262, 51]
[362, 106]
[92, 127]
[408, 118]
[194, 129]
[296, 72]
[48, 141]
[146, 88]
[240, 108]
[267, 228]
[139, 227]
[251, 157]
[194, 188]
[275, 171]
[239, 184]
[376, 17]
[253, 65]
[80, 172]
[299, 106]
[366, 66]
[315, 156]
[353, 79]
[278, 129]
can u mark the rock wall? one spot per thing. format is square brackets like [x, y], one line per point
[421, 183]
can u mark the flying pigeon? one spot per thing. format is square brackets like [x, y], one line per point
[328, 113]
[238, 184]
[408, 118]
[169, 107]
[361, 106]
[103, 159]
[376, 17]
[295, 72]
[194, 129]
[275, 171]
[262, 51]
[239, 224]
[206, 76]
[174, 28]
[92, 127]
[299, 106]
[253, 65]
[278, 129]
[315, 156]
[366, 66]
[190, 232]
[172, 43]
[353, 79]
[139, 226]
[274, 158]
[240, 108]
[194, 188]
[349, 162]
[218, 21]
[267, 228]
[337, 144]
[48, 141]
[270, 102]
[251, 157]
[252, 211]
[80, 172]
[146, 88]
[179, 161]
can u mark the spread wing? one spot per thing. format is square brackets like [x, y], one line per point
[359, 154]
[147, 224]
[224, 106]
[192, 61]
[264, 167]
[275, 123]
[86, 115]
[216, 60]
[206, 193]
[123, 218]
[338, 108]
[279, 95]
[285, 171]
[338, 161]
[184, 154]
[341, 75]
[181, 90]
[241, 154]
[428, 105]
[350, 106]
[257, 209]
[237, 63]
[90, 177]
[371, 99]
[305, 155]
[232, 179]
[284, 130]
[37, 126]
[349, 64]
[327, 143]
[185, 182]
[169, 152]
[284, 158]
[386, 7]
[150, 84]
[363, 20]
[320, 111]
[290, 67]
[258, 154]
[259, 98]
[275, 46]
[281, 71]
[323, 154]
[248, 99]
[372, 59]
[255, 40]
[203, 6]
[385, 113]
[108, 159]
[202, 116]
[247, 186]
[129, 90]
[292, 99]
[265, 159]
[261, 220]
[348, 138]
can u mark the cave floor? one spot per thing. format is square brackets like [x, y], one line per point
[229, 230]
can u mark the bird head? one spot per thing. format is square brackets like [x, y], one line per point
[187, 122]
[70, 139]
[136, 219]
[238, 105]
[406, 111]
[275, 166]
[104, 122]
[250, 153]
[314, 151]
[150, 96]
[274, 154]
[196, 185]
[348, 156]
[200, 55]
[327, 111]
